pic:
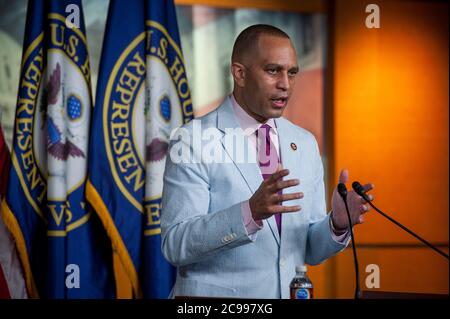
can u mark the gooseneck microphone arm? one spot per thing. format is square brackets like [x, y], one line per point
[359, 189]
[342, 190]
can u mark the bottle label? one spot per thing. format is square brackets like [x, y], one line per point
[302, 293]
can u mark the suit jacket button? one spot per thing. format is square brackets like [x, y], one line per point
[226, 239]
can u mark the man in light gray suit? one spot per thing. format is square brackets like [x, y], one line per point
[223, 222]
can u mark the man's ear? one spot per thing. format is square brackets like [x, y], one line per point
[238, 72]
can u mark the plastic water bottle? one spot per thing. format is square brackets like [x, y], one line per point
[301, 287]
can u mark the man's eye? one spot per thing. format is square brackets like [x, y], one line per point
[292, 73]
[272, 71]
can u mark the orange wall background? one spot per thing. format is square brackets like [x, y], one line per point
[390, 116]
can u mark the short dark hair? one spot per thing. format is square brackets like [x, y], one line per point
[249, 37]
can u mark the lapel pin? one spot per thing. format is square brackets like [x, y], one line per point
[294, 146]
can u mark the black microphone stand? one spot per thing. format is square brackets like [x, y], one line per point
[342, 190]
[359, 189]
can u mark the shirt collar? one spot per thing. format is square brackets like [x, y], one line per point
[248, 123]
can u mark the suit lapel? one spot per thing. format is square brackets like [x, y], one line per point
[286, 140]
[227, 122]
[290, 160]
[272, 223]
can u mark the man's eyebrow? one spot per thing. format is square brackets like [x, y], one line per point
[279, 67]
[273, 66]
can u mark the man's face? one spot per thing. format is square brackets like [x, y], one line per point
[269, 77]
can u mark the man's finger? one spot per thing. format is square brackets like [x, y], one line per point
[285, 209]
[280, 184]
[368, 187]
[277, 175]
[363, 209]
[363, 201]
[343, 176]
[287, 197]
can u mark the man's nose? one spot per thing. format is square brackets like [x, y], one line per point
[283, 81]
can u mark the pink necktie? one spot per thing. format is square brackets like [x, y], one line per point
[268, 159]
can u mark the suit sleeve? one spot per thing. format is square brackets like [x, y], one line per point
[189, 232]
[320, 243]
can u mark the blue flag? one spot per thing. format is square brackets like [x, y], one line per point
[142, 95]
[63, 247]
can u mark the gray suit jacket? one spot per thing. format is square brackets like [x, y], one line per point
[201, 220]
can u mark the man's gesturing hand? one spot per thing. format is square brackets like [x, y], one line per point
[266, 201]
[356, 205]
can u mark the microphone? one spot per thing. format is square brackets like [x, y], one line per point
[342, 190]
[359, 189]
